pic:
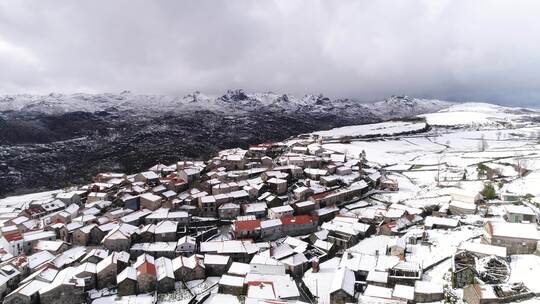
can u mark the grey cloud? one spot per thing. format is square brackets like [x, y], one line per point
[459, 50]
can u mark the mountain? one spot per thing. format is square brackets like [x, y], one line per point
[50, 141]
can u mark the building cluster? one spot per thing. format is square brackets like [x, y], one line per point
[266, 221]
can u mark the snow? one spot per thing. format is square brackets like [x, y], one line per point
[525, 268]
[384, 128]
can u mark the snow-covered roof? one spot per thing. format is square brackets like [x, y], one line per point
[514, 230]
[483, 249]
[230, 280]
[343, 279]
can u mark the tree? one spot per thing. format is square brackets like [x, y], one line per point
[489, 191]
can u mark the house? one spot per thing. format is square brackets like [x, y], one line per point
[54, 247]
[470, 197]
[299, 225]
[63, 289]
[106, 271]
[188, 268]
[216, 265]
[260, 264]
[256, 209]
[499, 293]
[157, 249]
[516, 237]
[238, 269]
[347, 231]
[146, 273]
[425, 291]
[295, 264]
[520, 214]
[126, 282]
[228, 211]
[72, 197]
[208, 205]
[277, 185]
[150, 201]
[119, 238]
[166, 231]
[279, 212]
[246, 229]
[302, 193]
[190, 175]
[342, 286]
[229, 284]
[186, 245]
[305, 207]
[12, 243]
[87, 272]
[462, 208]
[271, 229]
[165, 275]
[96, 197]
[147, 177]
[26, 293]
[31, 238]
[81, 236]
[377, 278]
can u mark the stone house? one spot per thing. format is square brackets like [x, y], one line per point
[216, 265]
[517, 238]
[146, 277]
[299, 225]
[186, 245]
[127, 282]
[342, 287]
[106, 272]
[63, 289]
[27, 293]
[188, 268]
[165, 275]
[165, 231]
[425, 291]
[271, 229]
[229, 284]
[150, 201]
[81, 236]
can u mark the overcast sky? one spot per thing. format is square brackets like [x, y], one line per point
[457, 50]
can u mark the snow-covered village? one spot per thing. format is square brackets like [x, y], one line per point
[441, 207]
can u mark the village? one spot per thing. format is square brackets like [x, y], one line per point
[335, 217]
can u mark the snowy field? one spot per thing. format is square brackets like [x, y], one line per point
[430, 166]
[384, 128]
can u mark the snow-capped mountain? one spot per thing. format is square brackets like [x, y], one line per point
[231, 101]
[71, 136]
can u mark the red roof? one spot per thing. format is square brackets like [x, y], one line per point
[147, 268]
[13, 237]
[250, 225]
[300, 219]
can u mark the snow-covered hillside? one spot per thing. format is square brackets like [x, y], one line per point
[468, 114]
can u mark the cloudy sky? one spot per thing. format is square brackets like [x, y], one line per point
[457, 50]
